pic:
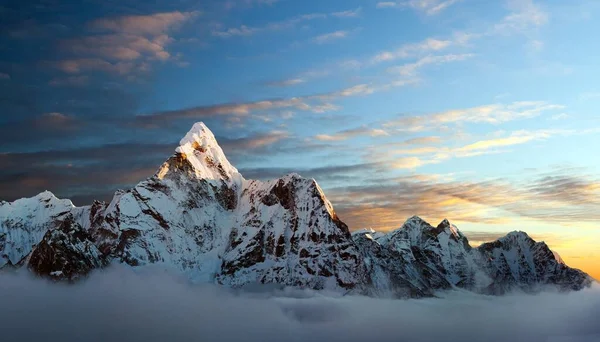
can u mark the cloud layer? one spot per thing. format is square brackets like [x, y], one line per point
[120, 305]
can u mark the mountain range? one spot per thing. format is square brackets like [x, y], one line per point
[199, 217]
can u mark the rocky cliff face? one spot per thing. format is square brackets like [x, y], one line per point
[198, 216]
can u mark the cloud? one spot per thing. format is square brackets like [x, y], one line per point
[348, 14]
[119, 304]
[122, 45]
[287, 83]
[408, 50]
[318, 103]
[429, 7]
[244, 30]
[299, 79]
[153, 24]
[413, 158]
[560, 196]
[328, 37]
[408, 163]
[352, 133]
[81, 65]
[412, 68]
[423, 141]
[4, 76]
[490, 114]
[386, 4]
[516, 138]
[525, 15]
[244, 145]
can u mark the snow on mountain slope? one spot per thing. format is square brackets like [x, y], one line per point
[427, 258]
[199, 217]
[24, 222]
[516, 260]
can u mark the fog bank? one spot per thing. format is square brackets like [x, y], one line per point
[118, 304]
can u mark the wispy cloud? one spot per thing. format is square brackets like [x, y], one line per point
[348, 14]
[244, 30]
[319, 103]
[328, 37]
[121, 47]
[516, 138]
[412, 49]
[153, 24]
[525, 15]
[491, 114]
[352, 133]
[413, 158]
[4, 76]
[412, 69]
[429, 7]
[287, 83]
[423, 140]
[558, 197]
[299, 79]
[80, 65]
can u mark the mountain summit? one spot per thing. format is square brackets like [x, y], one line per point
[199, 217]
[200, 152]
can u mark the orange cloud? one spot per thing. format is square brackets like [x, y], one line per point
[154, 24]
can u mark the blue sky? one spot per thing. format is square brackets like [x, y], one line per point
[484, 112]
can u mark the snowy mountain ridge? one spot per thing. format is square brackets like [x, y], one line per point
[198, 216]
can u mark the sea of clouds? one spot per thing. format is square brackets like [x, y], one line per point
[119, 304]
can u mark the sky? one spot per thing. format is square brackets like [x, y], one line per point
[482, 112]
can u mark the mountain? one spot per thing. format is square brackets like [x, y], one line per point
[417, 259]
[198, 216]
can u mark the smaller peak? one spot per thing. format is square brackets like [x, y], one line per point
[363, 231]
[46, 195]
[448, 226]
[415, 220]
[445, 223]
[518, 234]
[291, 176]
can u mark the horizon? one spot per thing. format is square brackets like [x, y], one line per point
[479, 112]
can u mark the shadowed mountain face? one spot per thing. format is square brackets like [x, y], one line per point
[200, 217]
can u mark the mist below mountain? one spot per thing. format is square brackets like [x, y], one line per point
[120, 304]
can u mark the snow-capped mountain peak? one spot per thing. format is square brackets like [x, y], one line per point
[199, 150]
